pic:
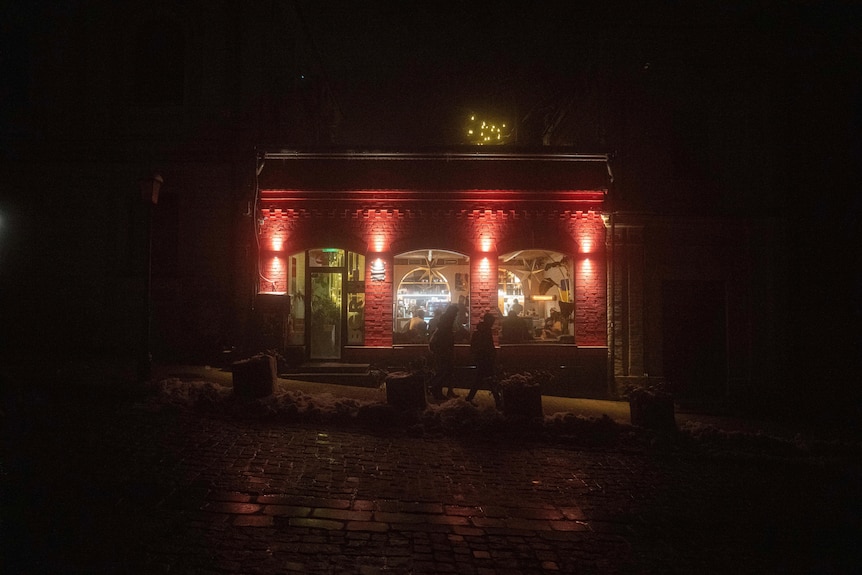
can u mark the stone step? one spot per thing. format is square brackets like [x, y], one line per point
[329, 367]
[358, 374]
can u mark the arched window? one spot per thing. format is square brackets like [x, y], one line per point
[428, 281]
[537, 284]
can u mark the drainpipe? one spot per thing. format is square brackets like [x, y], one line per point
[612, 288]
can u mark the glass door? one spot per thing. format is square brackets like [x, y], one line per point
[326, 311]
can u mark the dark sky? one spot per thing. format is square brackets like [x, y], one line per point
[416, 67]
[731, 94]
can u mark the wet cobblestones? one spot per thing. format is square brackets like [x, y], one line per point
[131, 490]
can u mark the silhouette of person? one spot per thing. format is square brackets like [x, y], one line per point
[442, 346]
[514, 329]
[435, 319]
[462, 332]
[417, 328]
[484, 353]
[516, 307]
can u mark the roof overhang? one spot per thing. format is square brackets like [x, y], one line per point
[444, 171]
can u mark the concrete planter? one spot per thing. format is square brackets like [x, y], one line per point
[652, 410]
[254, 377]
[521, 398]
[406, 390]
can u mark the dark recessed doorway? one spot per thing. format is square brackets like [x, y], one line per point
[694, 337]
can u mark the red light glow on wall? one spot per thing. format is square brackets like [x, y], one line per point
[590, 233]
[585, 270]
[485, 268]
[277, 243]
[378, 243]
[487, 228]
[379, 234]
[486, 244]
[590, 287]
[273, 276]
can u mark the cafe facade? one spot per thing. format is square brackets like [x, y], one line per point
[353, 245]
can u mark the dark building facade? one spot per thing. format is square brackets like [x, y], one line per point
[259, 210]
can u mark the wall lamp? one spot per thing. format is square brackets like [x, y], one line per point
[378, 270]
[150, 188]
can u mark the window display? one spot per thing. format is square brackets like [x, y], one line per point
[430, 281]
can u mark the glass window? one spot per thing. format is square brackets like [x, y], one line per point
[326, 309]
[355, 299]
[296, 291]
[537, 284]
[428, 281]
[326, 258]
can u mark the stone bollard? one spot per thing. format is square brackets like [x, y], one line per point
[254, 377]
[405, 390]
[652, 410]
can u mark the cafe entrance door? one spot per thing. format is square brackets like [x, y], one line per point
[326, 321]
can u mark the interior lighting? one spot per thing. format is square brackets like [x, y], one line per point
[542, 297]
[481, 131]
[277, 243]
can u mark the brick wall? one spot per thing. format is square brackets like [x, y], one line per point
[378, 303]
[294, 222]
[590, 275]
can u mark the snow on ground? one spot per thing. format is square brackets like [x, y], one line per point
[457, 417]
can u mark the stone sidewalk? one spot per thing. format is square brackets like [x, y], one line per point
[123, 487]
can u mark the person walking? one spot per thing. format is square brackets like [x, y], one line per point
[484, 353]
[442, 346]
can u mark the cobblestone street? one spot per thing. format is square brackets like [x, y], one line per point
[128, 489]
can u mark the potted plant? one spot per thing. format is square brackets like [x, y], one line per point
[324, 311]
[325, 316]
